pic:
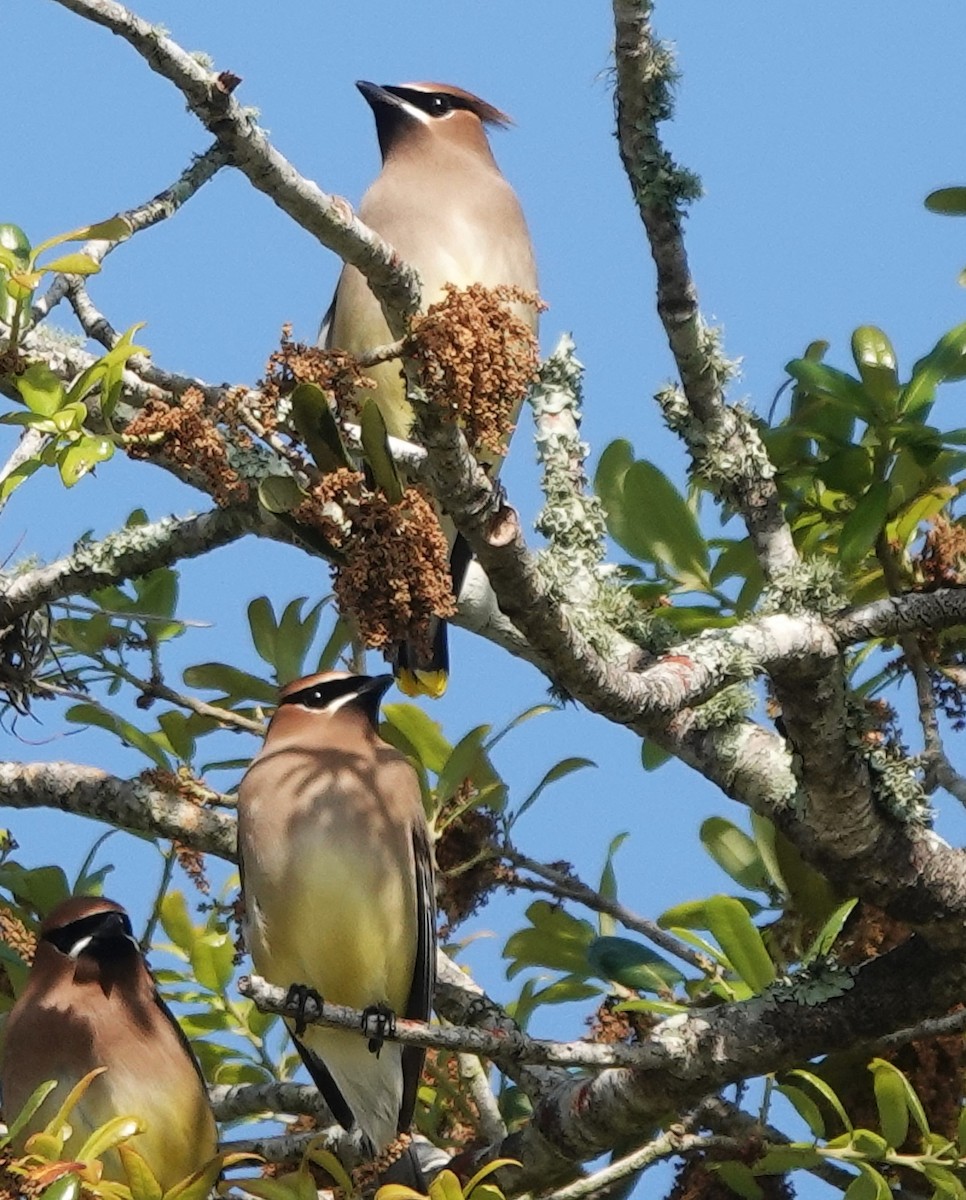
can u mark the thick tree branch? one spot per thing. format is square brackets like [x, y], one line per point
[135, 804]
[209, 96]
[723, 442]
[129, 553]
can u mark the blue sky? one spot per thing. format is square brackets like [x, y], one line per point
[817, 129]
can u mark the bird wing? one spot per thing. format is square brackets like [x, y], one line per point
[325, 328]
[419, 1006]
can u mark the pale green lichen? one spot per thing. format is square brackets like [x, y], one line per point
[254, 462]
[813, 985]
[812, 585]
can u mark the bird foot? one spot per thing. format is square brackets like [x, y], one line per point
[378, 1021]
[298, 995]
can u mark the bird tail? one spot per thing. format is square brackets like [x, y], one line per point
[421, 674]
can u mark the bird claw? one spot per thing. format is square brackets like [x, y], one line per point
[378, 1022]
[297, 997]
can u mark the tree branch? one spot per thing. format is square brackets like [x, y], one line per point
[209, 96]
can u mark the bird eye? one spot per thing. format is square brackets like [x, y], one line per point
[439, 105]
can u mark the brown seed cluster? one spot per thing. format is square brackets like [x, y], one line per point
[192, 862]
[395, 577]
[334, 371]
[943, 559]
[468, 868]
[477, 359]
[188, 435]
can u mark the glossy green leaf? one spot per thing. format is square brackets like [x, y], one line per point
[74, 264]
[825, 1091]
[67, 1187]
[653, 755]
[819, 379]
[865, 1186]
[213, 960]
[157, 592]
[806, 1108]
[891, 1103]
[948, 201]
[664, 522]
[175, 921]
[40, 389]
[794, 1157]
[313, 418]
[263, 628]
[883, 1069]
[30, 1107]
[280, 493]
[848, 471]
[864, 524]
[741, 940]
[295, 635]
[632, 965]
[560, 770]
[606, 924]
[140, 1177]
[81, 457]
[554, 939]
[463, 763]
[238, 685]
[740, 1178]
[130, 735]
[825, 938]
[876, 360]
[116, 229]
[375, 445]
[423, 733]
[609, 486]
[734, 852]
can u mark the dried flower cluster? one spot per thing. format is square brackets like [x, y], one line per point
[477, 359]
[393, 569]
[334, 371]
[943, 559]
[188, 435]
[468, 868]
[15, 934]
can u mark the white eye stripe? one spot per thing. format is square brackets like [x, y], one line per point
[79, 947]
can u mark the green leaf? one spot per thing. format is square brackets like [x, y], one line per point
[31, 1105]
[338, 640]
[664, 522]
[295, 634]
[848, 471]
[116, 229]
[213, 960]
[825, 938]
[313, 418]
[41, 888]
[806, 1108]
[463, 763]
[741, 940]
[375, 445]
[157, 592]
[653, 755]
[280, 493]
[819, 379]
[864, 524]
[554, 939]
[607, 887]
[881, 1068]
[876, 361]
[175, 921]
[559, 771]
[734, 852]
[779, 1160]
[238, 685]
[140, 1178]
[40, 389]
[826, 1092]
[948, 201]
[264, 628]
[632, 965]
[74, 264]
[890, 1100]
[422, 733]
[609, 485]
[67, 1187]
[739, 1177]
[81, 457]
[869, 1185]
[130, 735]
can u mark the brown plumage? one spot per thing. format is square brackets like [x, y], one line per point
[442, 203]
[91, 1001]
[337, 874]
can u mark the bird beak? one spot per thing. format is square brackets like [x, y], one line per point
[376, 686]
[376, 95]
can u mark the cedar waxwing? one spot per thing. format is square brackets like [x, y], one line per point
[337, 875]
[442, 203]
[91, 1001]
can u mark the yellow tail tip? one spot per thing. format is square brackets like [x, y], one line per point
[422, 683]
